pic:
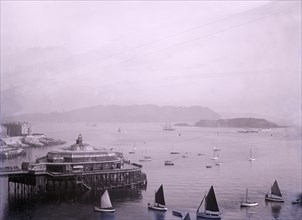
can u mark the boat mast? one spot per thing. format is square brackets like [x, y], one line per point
[246, 195]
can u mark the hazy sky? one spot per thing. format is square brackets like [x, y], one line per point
[235, 56]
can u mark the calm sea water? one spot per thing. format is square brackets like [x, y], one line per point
[278, 153]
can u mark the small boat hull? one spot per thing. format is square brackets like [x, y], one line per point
[176, 213]
[248, 204]
[297, 201]
[272, 199]
[207, 215]
[158, 208]
[169, 163]
[97, 209]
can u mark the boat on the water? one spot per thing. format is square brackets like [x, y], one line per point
[251, 158]
[246, 202]
[218, 162]
[176, 213]
[215, 155]
[297, 201]
[10, 152]
[106, 205]
[169, 163]
[168, 127]
[211, 210]
[174, 152]
[133, 151]
[145, 160]
[274, 194]
[159, 201]
[216, 148]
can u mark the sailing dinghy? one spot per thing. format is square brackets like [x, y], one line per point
[275, 194]
[211, 210]
[247, 203]
[106, 205]
[251, 158]
[159, 203]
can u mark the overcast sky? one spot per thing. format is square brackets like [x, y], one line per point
[235, 56]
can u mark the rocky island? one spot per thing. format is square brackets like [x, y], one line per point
[235, 123]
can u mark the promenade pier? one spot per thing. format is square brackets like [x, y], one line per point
[79, 167]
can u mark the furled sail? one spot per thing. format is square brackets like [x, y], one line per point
[211, 202]
[275, 189]
[159, 196]
[105, 200]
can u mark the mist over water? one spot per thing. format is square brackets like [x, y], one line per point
[277, 152]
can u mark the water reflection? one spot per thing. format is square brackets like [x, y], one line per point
[276, 209]
[107, 216]
[158, 215]
[250, 212]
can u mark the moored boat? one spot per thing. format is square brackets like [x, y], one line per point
[211, 210]
[169, 163]
[159, 201]
[106, 205]
[275, 194]
[144, 160]
[246, 203]
[174, 152]
[168, 127]
[176, 213]
[297, 201]
[251, 158]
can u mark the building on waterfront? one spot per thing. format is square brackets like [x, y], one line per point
[79, 157]
[14, 129]
[3, 131]
[78, 166]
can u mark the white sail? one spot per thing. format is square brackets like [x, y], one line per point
[105, 200]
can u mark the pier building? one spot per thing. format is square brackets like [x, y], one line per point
[77, 167]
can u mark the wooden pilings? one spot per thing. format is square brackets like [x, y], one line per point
[26, 186]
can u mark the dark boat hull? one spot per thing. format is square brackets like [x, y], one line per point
[97, 209]
[158, 208]
[271, 199]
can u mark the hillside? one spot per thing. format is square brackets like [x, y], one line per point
[131, 113]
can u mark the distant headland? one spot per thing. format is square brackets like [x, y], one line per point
[119, 113]
[234, 123]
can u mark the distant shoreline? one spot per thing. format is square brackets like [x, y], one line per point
[245, 123]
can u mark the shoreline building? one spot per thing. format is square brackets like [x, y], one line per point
[80, 166]
[13, 129]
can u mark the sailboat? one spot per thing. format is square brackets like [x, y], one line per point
[215, 157]
[251, 158]
[247, 203]
[275, 194]
[133, 152]
[159, 203]
[218, 162]
[176, 213]
[211, 210]
[106, 205]
[168, 127]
